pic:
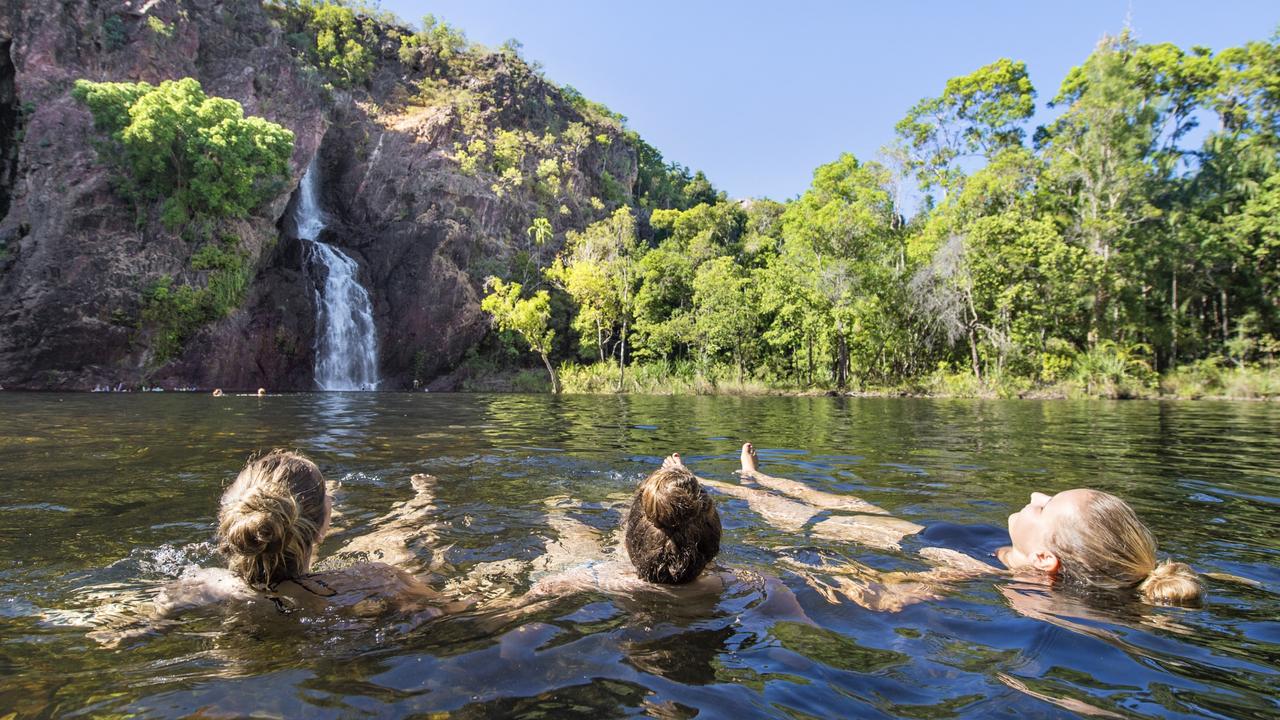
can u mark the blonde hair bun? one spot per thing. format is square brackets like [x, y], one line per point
[271, 517]
[258, 528]
[1172, 583]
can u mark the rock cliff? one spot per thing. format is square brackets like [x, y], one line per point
[77, 255]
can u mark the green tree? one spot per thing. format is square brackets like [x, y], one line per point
[438, 38]
[540, 231]
[340, 44]
[725, 312]
[598, 269]
[529, 318]
[703, 231]
[794, 314]
[979, 113]
[664, 316]
[845, 234]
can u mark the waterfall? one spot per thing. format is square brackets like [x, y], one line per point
[346, 341]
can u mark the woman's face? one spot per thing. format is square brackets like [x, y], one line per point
[1031, 527]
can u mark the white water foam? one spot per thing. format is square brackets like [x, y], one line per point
[346, 341]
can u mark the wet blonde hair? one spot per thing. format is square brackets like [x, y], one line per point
[1106, 546]
[672, 527]
[270, 518]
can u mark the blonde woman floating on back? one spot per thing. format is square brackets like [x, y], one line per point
[1081, 538]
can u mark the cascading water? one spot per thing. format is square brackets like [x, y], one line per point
[346, 344]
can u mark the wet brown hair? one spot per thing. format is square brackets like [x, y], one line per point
[270, 518]
[672, 527]
[1106, 546]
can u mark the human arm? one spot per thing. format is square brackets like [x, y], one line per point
[890, 591]
[124, 618]
[406, 533]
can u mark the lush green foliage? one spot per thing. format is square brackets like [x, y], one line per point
[174, 313]
[1086, 256]
[527, 317]
[597, 269]
[336, 36]
[114, 35]
[438, 39]
[199, 153]
[1105, 252]
[159, 27]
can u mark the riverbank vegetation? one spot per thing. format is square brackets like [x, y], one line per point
[1127, 248]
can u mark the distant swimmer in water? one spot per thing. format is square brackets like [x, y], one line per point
[270, 522]
[1083, 538]
[217, 392]
[262, 392]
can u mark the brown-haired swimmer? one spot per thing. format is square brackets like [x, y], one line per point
[1081, 538]
[672, 526]
[671, 536]
[271, 520]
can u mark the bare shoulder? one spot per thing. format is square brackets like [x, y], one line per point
[958, 562]
[203, 586]
[365, 577]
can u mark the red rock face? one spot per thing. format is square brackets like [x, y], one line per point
[76, 256]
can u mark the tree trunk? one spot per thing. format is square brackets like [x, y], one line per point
[973, 354]
[1173, 312]
[1223, 293]
[810, 359]
[842, 362]
[555, 379]
[622, 358]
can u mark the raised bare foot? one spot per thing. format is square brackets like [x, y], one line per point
[672, 460]
[749, 464]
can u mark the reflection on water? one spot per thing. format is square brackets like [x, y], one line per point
[108, 494]
[340, 423]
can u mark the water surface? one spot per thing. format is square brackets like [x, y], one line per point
[107, 493]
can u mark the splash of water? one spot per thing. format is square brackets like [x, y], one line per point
[346, 341]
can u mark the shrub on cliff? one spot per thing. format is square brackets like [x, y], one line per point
[334, 35]
[200, 153]
[176, 312]
[442, 40]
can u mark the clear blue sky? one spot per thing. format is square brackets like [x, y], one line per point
[758, 94]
